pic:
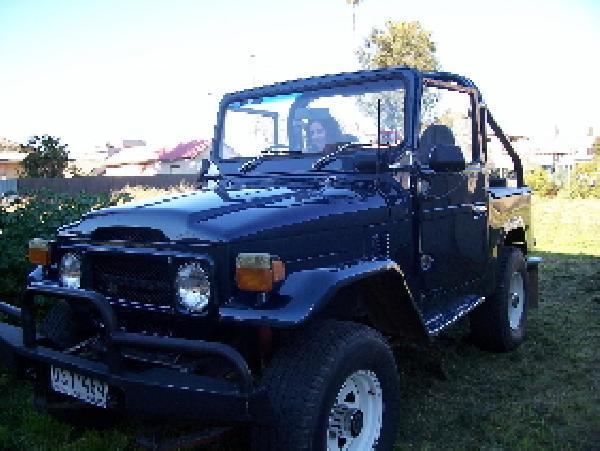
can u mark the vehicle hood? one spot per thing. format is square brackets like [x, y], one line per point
[238, 214]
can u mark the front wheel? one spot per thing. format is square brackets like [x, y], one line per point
[334, 386]
[356, 414]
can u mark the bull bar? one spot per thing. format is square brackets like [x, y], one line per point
[156, 392]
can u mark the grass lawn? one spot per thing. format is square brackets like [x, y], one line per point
[544, 395]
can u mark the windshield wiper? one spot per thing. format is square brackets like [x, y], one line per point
[252, 164]
[340, 148]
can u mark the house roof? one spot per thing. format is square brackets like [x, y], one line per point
[191, 149]
[144, 154]
[134, 155]
[8, 143]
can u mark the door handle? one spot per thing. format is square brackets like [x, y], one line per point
[479, 209]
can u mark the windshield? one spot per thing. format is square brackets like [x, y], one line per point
[314, 122]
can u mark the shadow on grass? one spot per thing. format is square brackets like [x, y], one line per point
[542, 395]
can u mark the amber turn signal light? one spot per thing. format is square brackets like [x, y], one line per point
[258, 271]
[39, 251]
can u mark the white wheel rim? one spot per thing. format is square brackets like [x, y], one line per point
[355, 419]
[516, 300]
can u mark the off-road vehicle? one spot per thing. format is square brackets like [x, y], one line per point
[270, 295]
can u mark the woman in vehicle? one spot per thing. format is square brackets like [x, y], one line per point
[322, 132]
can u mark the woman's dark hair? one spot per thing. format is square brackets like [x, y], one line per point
[332, 128]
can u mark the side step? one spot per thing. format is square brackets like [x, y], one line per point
[462, 306]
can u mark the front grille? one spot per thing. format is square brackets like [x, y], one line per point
[131, 234]
[143, 279]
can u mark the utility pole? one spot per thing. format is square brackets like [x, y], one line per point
[354, 4]
[253, 69]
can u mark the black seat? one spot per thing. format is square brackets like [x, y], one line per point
[433, 135]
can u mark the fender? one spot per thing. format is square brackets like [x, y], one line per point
[309, 292]
[510, 216]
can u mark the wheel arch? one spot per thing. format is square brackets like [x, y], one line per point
[383, 299]
[375, 291]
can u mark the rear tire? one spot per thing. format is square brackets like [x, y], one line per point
[333, 386]
[499, 323]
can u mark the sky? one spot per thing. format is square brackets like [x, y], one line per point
[96, 71]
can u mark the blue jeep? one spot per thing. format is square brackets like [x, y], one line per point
[348, 211]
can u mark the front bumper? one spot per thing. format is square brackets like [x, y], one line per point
[156, 392]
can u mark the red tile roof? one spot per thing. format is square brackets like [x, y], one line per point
[191, 149]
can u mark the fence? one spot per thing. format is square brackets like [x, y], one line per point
[96, 184]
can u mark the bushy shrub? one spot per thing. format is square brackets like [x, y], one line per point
[585, 181]
[540, 182]
[38, 214]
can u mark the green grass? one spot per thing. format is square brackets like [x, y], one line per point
[567, 226]
[545, 395]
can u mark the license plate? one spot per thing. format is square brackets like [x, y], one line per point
[84, 388]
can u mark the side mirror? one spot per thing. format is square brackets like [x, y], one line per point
[446, 158]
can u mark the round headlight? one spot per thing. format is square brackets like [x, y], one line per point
[193, 287]
[70, 271]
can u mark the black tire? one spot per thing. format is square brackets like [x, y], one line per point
[491, 327]
[306, 375]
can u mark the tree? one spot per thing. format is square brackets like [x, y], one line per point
[585, 178]
[596, 148]
[47, 157]
[399, 44]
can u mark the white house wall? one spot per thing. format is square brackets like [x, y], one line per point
[181, 166]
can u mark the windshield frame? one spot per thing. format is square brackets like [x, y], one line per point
[393, 75]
